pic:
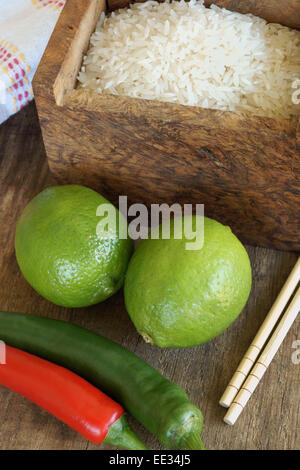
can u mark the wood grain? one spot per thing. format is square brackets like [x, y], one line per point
[271, 420]
[271, 10]
[89, 15]
[245, 169]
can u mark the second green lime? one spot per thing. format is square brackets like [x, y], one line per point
[61, 253]
[178, 297]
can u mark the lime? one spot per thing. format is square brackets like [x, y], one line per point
[61, 253]
[178, 297]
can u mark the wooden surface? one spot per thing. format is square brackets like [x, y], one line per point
[271, 10]
[244, 168]
[271, 419]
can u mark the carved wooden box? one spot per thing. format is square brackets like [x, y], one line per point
[245, 169]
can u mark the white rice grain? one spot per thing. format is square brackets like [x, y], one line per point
[186, 53]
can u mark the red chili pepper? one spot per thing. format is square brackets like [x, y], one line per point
[62, 393]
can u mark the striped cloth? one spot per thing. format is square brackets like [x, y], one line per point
[25, 28]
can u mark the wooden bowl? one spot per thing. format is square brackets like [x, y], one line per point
[244, 168]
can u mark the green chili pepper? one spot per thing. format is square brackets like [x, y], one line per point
[160, 405]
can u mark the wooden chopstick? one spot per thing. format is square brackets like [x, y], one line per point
[264, 360]
[261, 337]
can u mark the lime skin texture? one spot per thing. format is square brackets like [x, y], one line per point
[60, 253]
[180, 298]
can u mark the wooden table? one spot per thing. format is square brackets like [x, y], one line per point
[271, 419]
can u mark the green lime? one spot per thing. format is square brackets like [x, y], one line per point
[62, 252]
[178, 297]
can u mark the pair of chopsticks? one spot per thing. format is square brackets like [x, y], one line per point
[249, 373]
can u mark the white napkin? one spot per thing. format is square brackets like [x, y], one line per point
[25, 29]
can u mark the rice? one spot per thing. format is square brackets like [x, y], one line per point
[183, 52]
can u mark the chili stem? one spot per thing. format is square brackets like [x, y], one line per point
[121, 435]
